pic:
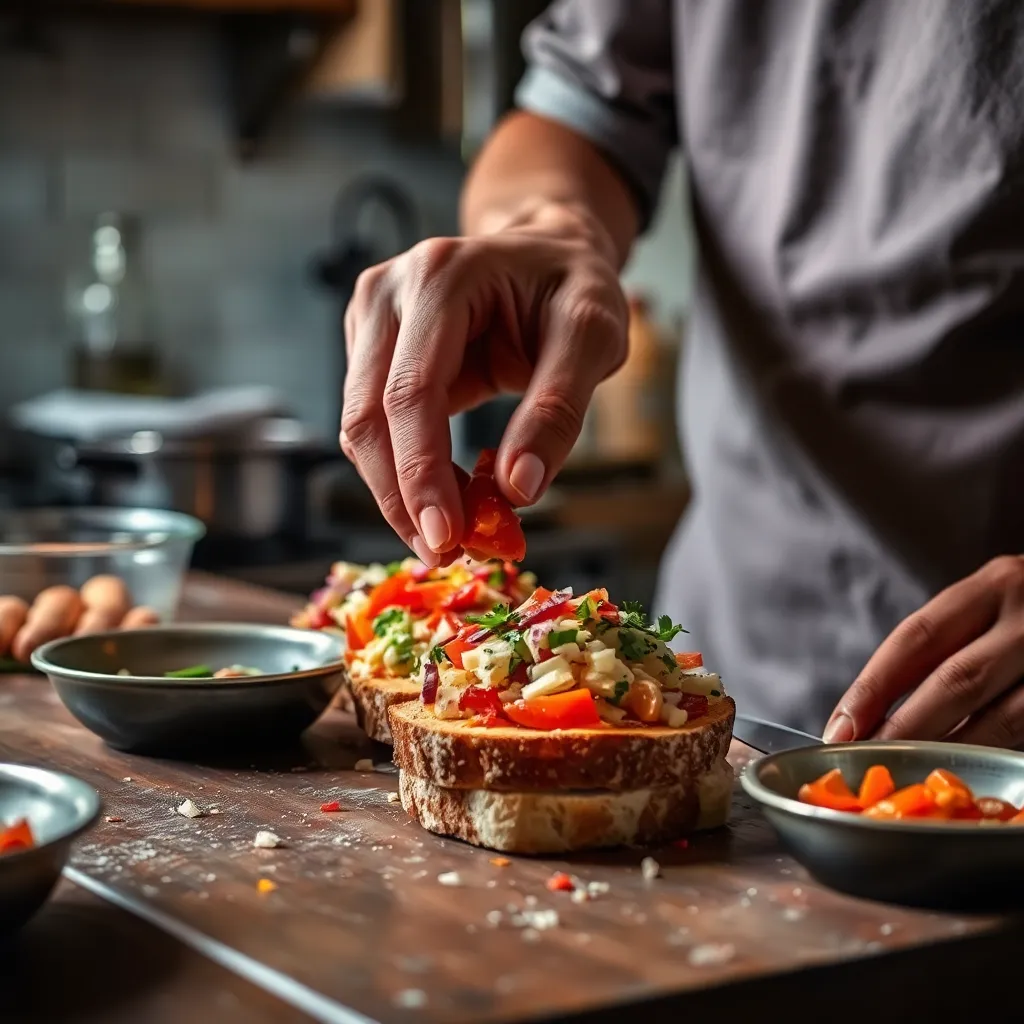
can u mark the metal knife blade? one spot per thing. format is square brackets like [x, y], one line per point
[769, 738]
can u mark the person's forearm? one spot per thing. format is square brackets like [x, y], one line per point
[534, 171]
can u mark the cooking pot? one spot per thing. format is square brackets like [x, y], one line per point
[252, 484]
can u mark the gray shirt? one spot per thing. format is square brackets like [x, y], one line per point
[852, 396]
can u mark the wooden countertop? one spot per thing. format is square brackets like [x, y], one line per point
[359, 928]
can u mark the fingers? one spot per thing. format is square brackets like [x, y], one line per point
[915, 649]
[53, 613]
[1000, 725]
[138, 618]
[13, 612]
[963, 684]
[583, 342]
[105, 601]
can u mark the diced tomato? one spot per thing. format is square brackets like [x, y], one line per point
[16, 837]
[468, 596]
[949, 790]
[393, 592]
[574, 709]
[554, 605]
[493, 530]
[694, 704]
[330, 807]
[830, 791]
[559, 882]
[320, 618]
[358, 631]
[519, 674]
[690, 659]
[968, 813]
[992, 807]
[876, 785]
[455, 648]
[916, 801]
[481, 700]
[432, 594]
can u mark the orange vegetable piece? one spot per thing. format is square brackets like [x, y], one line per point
[876, 785]
[265, 885]
[493, 530]
[830, 791]
[992, 807]
[914, 801]
[950, 790]
[690, 659]
[358, 632]
[1017, 819]
[574, 709]
[16, 837]
[560, 882]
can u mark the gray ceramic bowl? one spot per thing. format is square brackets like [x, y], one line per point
[147, 712]
[929, 863]
[58, 808]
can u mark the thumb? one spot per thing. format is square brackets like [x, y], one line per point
[582, 344]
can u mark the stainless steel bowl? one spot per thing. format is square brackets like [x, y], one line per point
[926, 864]
[58, 808]
[145, 711]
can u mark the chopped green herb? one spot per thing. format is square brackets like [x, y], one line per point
[634, 645]
[496, 579]
[192, 672]
[401, 644]
[387, 618]
[393, 568]
[557, 637]
[585, 610]
[501, 615]
[669, 662]
[439, 655]
[621, 689]
[667, 629]
[632, 614]
[716, 693]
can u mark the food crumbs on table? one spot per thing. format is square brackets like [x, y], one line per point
[364, 764]
[531, 935]
[711, 954]
[112, 818]
[411, 999]
[559, 882]
[393, 798]
[650, 869]
[127, 778]
[267, 840]
[330, 807]
[188, 809]
[598, 888]
[265, 885]
[450, 878]
[500, 862]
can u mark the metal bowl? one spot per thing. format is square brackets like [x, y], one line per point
[58, 808]
[926, 864]
[146, 711]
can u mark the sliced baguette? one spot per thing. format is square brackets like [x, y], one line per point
[457, 755]
[560, 822]
[373, 697]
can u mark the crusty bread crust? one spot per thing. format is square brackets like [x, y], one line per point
[373, 697]
[457, 755]
[561, 822]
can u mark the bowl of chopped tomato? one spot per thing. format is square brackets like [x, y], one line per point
[924, 824]
[41, 813]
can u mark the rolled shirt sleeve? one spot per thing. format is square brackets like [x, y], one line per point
[604, 68]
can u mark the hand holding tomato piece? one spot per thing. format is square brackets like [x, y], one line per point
[493, 530]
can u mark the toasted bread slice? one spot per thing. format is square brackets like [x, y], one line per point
[373, 697]
[554, 822]
[458, 755]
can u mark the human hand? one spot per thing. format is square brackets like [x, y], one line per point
[961, 658]
[534, 307]
[102, 603]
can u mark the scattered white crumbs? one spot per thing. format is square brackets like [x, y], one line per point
[411, 999]
[267, 840]
[794, 914]
[597, 888]
[393, 798]
[364, 764]
[542, 920]
[711, 954]
[187, 809]
[494, 918]
[650, 869]
[886, 929]
[450, 878]
[531, 935]
[127, 778]
[751, 892]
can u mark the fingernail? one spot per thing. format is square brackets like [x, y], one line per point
[527, 475]
[423, 553]
[434, 528]
[839, 730]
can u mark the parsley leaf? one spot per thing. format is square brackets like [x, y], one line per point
[498, 618]
[667, 629]
[585, 610]
[633, 645]
[438, 655]
[631, 613]
[496, 579]
[393, 568]
[621, 689]
[387, 618]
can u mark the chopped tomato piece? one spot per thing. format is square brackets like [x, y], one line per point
[431, 594]
[830, 791]
[574, 709]
[690, 659]
[330, 807]
[482, 700]
[16, 837]
[970, 813]
[489, 720]
[358, 631]
[320, 618]
[493, 530]
[876, 785]
[992, 807]
[949, 790]
[694, 704]
[559, 882]
[1017, 819]
[552, 606]
[466, 597]
[393, 592]
[916, 801]
[455, 648]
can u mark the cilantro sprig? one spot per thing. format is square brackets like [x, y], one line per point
[632, 614]
[387, 618]
[500, 618]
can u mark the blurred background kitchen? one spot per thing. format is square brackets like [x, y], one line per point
[188, 190]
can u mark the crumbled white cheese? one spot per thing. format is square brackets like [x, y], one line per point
[452, 878]
[189, 810]
[549, 683]
[598, 888]
[267, 840]
[364, 764]
[650, 869]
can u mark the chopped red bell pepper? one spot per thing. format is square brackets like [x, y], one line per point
[574, 709]
[481, 700]
[330, 807]
[358, 631]
[493, 530]
[992, 807]
[689, 659]
[467, 597]
[876, 785]
[320, 618]
[916, 801]
[395, 591]
[695, 705]
[456, 647]
[830, 791]
[17, 836]
[559, 882]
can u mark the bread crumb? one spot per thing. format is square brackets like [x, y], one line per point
[650, 869]
[494, 918]
[112, 818]
[711, 954]
[364, 764]
[500, 862]
[393, 798]
[267, 840]
[265, 885]
[450, 878]
[411, 999]
[530, 935]
[189, 810]
[597, 888]
[127, 778]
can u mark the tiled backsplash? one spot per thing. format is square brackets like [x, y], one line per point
[130, 115]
